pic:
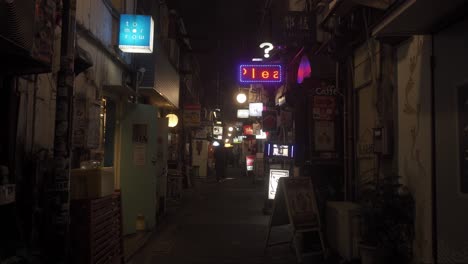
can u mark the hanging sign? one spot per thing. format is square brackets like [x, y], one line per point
[218, 131]
[136, 33]
[249, 160]
[242, 113]
[255, 109]
[260, 73]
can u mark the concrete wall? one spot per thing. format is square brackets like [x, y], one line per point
[366, 111]
[406, 71]
[450, 105]
[414, 136]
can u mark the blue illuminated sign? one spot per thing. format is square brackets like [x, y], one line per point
[136, 33]
[260, 73]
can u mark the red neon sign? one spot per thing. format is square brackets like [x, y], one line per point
[260, 73]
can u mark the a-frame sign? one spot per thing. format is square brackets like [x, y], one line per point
[295, 204]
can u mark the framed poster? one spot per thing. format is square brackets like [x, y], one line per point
[324, 136]
[323, 107]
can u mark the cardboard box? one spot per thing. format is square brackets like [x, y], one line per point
[91, 183]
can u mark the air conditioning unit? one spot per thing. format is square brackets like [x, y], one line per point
[343, 230]
[27, 35]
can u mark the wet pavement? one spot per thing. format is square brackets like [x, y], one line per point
[217, 223]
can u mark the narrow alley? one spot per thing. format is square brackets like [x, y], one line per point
[233, 132]
[217, 223]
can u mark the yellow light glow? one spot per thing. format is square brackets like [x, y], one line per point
[241, 98]
[173, 120]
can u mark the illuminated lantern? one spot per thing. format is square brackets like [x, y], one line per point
[173, 120]
[241, 98]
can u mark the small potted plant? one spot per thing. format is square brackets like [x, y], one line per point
[387, 217]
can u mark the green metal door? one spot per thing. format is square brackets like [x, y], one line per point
[138, 165]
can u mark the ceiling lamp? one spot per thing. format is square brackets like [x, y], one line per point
[173, 120]
[241, 98]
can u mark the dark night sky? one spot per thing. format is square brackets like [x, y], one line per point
[225, 33]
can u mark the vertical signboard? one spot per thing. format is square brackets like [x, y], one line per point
[275, 175]
[136, 33]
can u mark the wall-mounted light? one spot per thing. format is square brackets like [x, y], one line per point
[241, 98]
[230, 129]
[173, 120]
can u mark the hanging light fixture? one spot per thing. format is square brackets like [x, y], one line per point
[241, 98]
[173, 120]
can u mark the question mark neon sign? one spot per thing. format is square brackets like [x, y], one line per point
[268, 49]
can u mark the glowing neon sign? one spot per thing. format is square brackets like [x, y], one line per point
[260, 73]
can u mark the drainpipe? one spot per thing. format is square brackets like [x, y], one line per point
[58, 185]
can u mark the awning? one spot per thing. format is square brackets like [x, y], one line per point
[156, 98]
[419, 17]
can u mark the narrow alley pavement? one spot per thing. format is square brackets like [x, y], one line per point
[217, 223]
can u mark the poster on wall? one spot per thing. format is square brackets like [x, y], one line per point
[192, 115]
[323, 107]
[139, 154]
[275, 175]
[324, 136]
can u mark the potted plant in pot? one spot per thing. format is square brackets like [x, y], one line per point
[387, 217]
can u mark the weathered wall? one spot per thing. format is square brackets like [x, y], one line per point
[366, 111]
[414, 136]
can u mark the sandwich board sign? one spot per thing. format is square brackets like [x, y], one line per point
[295, 203]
